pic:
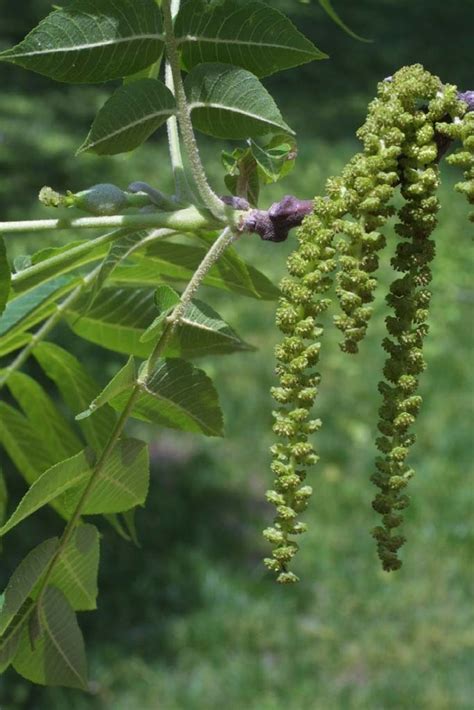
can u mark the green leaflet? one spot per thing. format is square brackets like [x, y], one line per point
[24, 579]
[201, 330]
[129, 117]
[124, 320]
[75, 572]
[77, 388]
[58, 656]
[54, 261]
[92, 41]
[121, 484]
[251, 35]
[50, 485]
[116, 321]
[5, 275]
[229, 102]
[124, 380]
[177, 395]
[25, 311]
[23, 444]
[58, 437]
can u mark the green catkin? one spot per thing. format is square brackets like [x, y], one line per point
[341, 240]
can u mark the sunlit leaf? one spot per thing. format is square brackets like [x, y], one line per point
[251, 35]
[92, 41]
[229, 102]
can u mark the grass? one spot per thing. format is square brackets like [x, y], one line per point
[191, 621]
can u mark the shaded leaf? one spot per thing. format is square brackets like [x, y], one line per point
[241, 177]
[201, 331]
[10, 640]
[24, 579]
[75, 572]
[251, 35]
[58, 657]
[129, 117]
[50, 485]
[57, 435]
[180, 396]
[122, 483]
[22, 443]
[78, 390]
[229, 102]
[92, 41]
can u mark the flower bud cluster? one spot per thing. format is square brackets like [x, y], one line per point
[409, 298]
[342, 235]
[462, 130]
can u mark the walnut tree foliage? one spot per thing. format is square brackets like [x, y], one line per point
[197, 65]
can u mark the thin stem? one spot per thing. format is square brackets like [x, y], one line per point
[114, 437]
[216, 250]
[189, 219]
[208, 196]
[183, 191]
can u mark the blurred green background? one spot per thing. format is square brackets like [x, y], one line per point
[191, 621]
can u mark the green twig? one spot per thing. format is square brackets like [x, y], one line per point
[189, 219]
[208, 196]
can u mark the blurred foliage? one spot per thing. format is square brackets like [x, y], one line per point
[191, 621]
